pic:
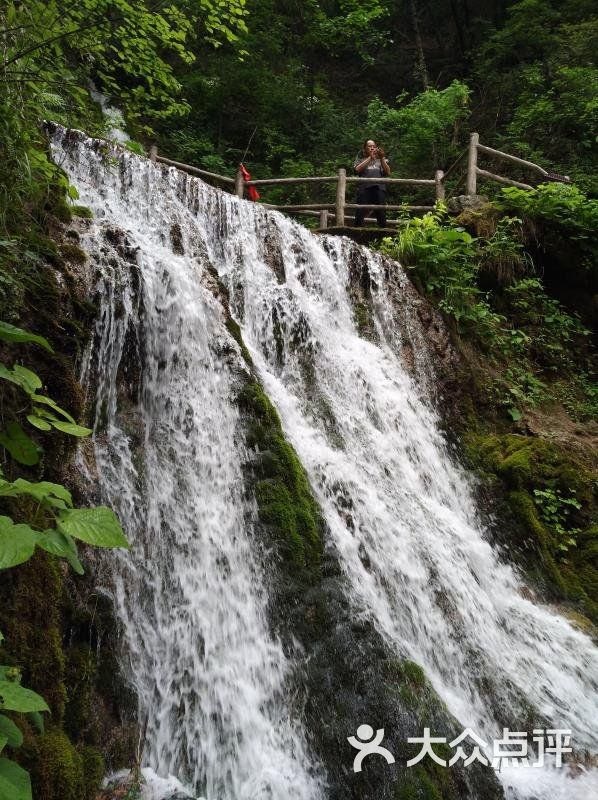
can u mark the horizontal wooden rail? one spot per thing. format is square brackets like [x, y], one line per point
[298, 206]
[331, 215]
[305, 179]
[194, 170]
[391, 207]
[499, 179]
[515, 159]
[411, 181]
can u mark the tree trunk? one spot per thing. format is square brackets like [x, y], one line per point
[421, 69]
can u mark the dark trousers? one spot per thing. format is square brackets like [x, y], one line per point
[374, 196]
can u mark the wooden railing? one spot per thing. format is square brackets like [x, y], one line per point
[328, 211]
[474, 171]
[336, 210]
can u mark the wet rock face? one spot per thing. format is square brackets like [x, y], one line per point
[272, 254]
[425, 341]
[465, 202]
[176, 239]
[349, 677]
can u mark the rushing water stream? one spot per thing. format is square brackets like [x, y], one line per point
[212, 680]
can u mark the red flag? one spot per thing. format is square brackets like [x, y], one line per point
[253, 192]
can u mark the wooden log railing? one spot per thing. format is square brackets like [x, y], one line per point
[474, 171]
[326, 211]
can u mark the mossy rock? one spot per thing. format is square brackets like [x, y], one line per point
[518, 465]
[30, 621]
[416, 784]
[73, 253]
[285, 501]
[235, 331]
[57, 771]
[82, 211]
[480, 221]
[81, 672]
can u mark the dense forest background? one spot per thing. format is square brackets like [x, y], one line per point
[319, 77]
[303, 83]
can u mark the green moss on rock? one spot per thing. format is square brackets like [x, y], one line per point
[57, 770]
[30, 621]
[519, 465]
[285, 501]
[418, 785]
[235, 331]
[82, 211]
[71, 252]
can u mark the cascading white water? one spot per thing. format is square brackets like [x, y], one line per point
[399, 510]
[190, 592]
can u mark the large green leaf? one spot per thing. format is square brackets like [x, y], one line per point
[17, 543]
[10, 333]
[30, 380]
[59, 544]
[42, 490]
[14, 697]
[19, 445]
[47, 401]
[69, 427]
[98, 526]
[14, 737]
[38, 422]
[14, 781]
[8, 375]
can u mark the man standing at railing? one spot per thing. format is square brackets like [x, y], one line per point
[371, 163]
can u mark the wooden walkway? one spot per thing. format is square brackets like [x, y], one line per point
[464, 169]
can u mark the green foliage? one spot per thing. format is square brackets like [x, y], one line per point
[10, 333]
[52, 525]
[14, 781]
[555, 509]
[562, 209]
[423, 130]
[96, 526]
[544, 86]
[446, 260]
[552, 497]
[128, 46]
[541, 349]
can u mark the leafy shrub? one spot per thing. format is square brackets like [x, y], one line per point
[540, 348]
[563, 210]
[50, 523]
[423, 130]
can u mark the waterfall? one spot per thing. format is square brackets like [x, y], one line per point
[212, 679]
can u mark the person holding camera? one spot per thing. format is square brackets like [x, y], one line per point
[371, 163]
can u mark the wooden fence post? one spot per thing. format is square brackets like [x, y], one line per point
[438, 176]
[153, 154]
[324, 218]
[341, 188]
[239, 184]
[472, 164]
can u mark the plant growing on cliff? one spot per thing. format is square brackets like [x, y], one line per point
[446, 260]
[555, 510]
[50, 522]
